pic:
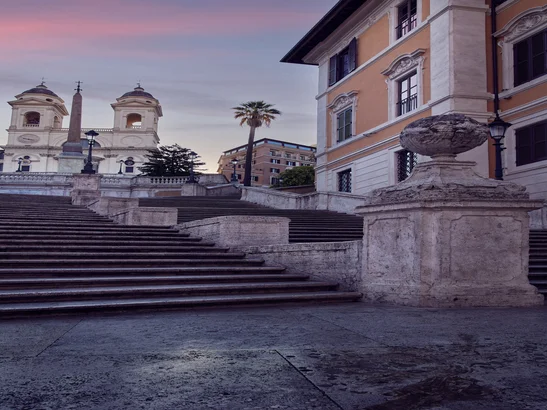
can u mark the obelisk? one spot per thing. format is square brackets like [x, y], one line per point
[72, 159]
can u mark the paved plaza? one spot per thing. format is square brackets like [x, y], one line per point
[347, 356]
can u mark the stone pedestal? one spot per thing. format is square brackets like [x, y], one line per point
[86, 188]
[71, 162]
[150, 216]
[446, 236]
[448, 253]
[107, 206]
[238, 232]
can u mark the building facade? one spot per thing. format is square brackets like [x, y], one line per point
[36, 134]
[270, 159]
[385, 63]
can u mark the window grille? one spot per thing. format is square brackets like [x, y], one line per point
[406, 161]
[344, 181]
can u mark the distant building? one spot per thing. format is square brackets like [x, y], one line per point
[36, 134]
[385, 63]
[270, 158]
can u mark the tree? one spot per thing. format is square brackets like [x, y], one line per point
[254, 114]
[170, 161]
[298, 176]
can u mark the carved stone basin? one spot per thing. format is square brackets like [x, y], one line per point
[444, 135]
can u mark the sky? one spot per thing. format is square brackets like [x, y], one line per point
[199, 58]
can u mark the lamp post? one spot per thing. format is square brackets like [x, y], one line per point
[19, 162]
[88, 167]
[192, 179]
[498, 127]
[120, 171]
[234, 174]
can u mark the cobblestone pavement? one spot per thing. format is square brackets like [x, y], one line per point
[351, 356]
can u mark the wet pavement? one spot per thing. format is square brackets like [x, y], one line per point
[350, 356]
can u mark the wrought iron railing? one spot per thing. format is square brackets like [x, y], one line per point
[407, 104]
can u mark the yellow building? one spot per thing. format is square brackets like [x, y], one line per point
[385, 63]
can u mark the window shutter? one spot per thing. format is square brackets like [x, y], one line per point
[352, 49]
[333, 69]
[524, 146]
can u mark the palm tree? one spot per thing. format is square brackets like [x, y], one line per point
[254, 114]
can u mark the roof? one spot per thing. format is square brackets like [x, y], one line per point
[330, 22]
[40, 89]
[138, 92]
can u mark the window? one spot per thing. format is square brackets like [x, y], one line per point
[406, 161]
[255, 179]
[407, 17]
[344, 181]
[275, 170]
[134, 121]
[530, 58]
[275, 161]
[531, 143]
[32, 119]
[408, 94]
[343, 63]
[238, 176]
[291, 163]
[274, 181]
[343, 125]
[273, 153]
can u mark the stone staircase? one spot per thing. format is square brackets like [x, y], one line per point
[60, 258]
[538, 260]
[305, 226]
[321, 226]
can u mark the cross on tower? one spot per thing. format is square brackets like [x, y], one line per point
[78, 89]
[43, 81]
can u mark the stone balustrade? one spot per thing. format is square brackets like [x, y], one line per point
[112, 185]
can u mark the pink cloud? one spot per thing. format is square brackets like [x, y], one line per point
[59, 30]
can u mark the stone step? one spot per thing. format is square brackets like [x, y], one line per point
[119, 262]
[107, 241]
[115, 271]
[22, 257]
[92, 229]
[167, 247]
[23, 309]
[96, 235]
[136, 292]
[98, 281]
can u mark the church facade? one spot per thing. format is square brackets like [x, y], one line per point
[36, 134]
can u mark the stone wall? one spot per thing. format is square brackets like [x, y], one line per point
[332, 261]
[328, 201]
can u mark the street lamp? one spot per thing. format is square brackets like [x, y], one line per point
[120, 171]
[234, 174]
[192, 179]
[498, 127]
[88, 167]
[19, 162]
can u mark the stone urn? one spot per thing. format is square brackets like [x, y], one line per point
[444, 135]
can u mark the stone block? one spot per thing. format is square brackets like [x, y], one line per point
[109, 206]
[538, 218]
[193, 190]
[241, 231]
[152, 216]
[448, 253]
[86, 182]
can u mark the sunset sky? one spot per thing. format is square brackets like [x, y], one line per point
[198, 57]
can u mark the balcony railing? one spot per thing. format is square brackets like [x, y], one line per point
[407, 104]
[31, 125]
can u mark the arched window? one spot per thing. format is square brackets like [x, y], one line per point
[32, 119]
[129, 165]
[25, 165]
[56, 122]
[134, 121]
